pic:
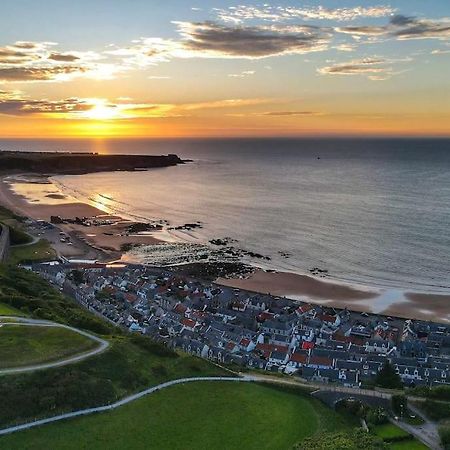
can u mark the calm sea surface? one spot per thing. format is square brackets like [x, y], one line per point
[375, 212]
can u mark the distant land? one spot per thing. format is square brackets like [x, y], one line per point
[80, 163]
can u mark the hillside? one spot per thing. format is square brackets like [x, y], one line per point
[78, 163]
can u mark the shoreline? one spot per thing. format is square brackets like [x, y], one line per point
[104, 243]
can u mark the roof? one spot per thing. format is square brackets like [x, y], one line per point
[320, 361]
[299, 358]
[189, 323]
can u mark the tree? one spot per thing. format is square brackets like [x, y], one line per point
[77, 276]
[387, 377]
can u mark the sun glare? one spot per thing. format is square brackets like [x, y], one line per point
[102, 111]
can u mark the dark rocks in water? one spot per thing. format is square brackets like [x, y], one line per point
[318, 271]
[140, 227]
[284, 254]
[213, 270]
[222, 242]
[187, 226]
[239, 253]
[56, 220]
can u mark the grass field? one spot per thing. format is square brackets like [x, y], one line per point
[27, 345]
[408, 444]
[203, 415]
[389, 431]
[6, 310]
[40, 251]
[396, 438]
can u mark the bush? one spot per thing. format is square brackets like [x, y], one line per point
[376, 416]
[444, 434]
[357, 439]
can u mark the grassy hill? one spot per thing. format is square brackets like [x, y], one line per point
[132, 363]
[39, 345]
[203, 415]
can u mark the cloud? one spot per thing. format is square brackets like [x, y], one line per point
[243, 74]
[13, 103]
[402, 28]
[20, 74]
[241, 13]
[210, 39]
[413, 28]
[26, 61]
[373, 67]
[66, 57]
[290, 113]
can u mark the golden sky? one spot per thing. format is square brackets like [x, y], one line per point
[224, 69]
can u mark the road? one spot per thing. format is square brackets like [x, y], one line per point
[23, 321]
[124, 401]
[427, 432]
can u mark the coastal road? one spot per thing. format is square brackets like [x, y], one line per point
[23, 321]
[124, 401]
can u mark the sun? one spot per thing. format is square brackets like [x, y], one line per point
[102, 111]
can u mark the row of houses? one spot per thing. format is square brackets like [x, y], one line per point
[233, 326]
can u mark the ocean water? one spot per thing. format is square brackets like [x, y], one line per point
[370, 211]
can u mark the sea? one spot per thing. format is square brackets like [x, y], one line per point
[374, 212]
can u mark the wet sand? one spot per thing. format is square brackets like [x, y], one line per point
[327, 292]
[291, 284]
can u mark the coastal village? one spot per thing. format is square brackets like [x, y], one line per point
[249, 330]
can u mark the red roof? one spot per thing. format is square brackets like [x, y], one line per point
[180, 308]
[129, 297]
[264, 316]
[245, 341]
[320, 361]
[303, 309]
[300, 358]
[307, 345]
[189, 323]
[327, 318]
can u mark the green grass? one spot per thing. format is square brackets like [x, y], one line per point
[27, 345]
[389, 431]
[7, 310]
[409, 444]
[40, 251]
[203, 415]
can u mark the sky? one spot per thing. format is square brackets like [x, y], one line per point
[186, 68]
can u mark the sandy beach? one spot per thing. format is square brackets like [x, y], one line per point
[327, 292]
[95, 242]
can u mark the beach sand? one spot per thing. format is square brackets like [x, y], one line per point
[292, 284]
[88, 242]
[327, 292]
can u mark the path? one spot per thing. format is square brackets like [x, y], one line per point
[427, 432]
[124, 401]
[23, 321]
